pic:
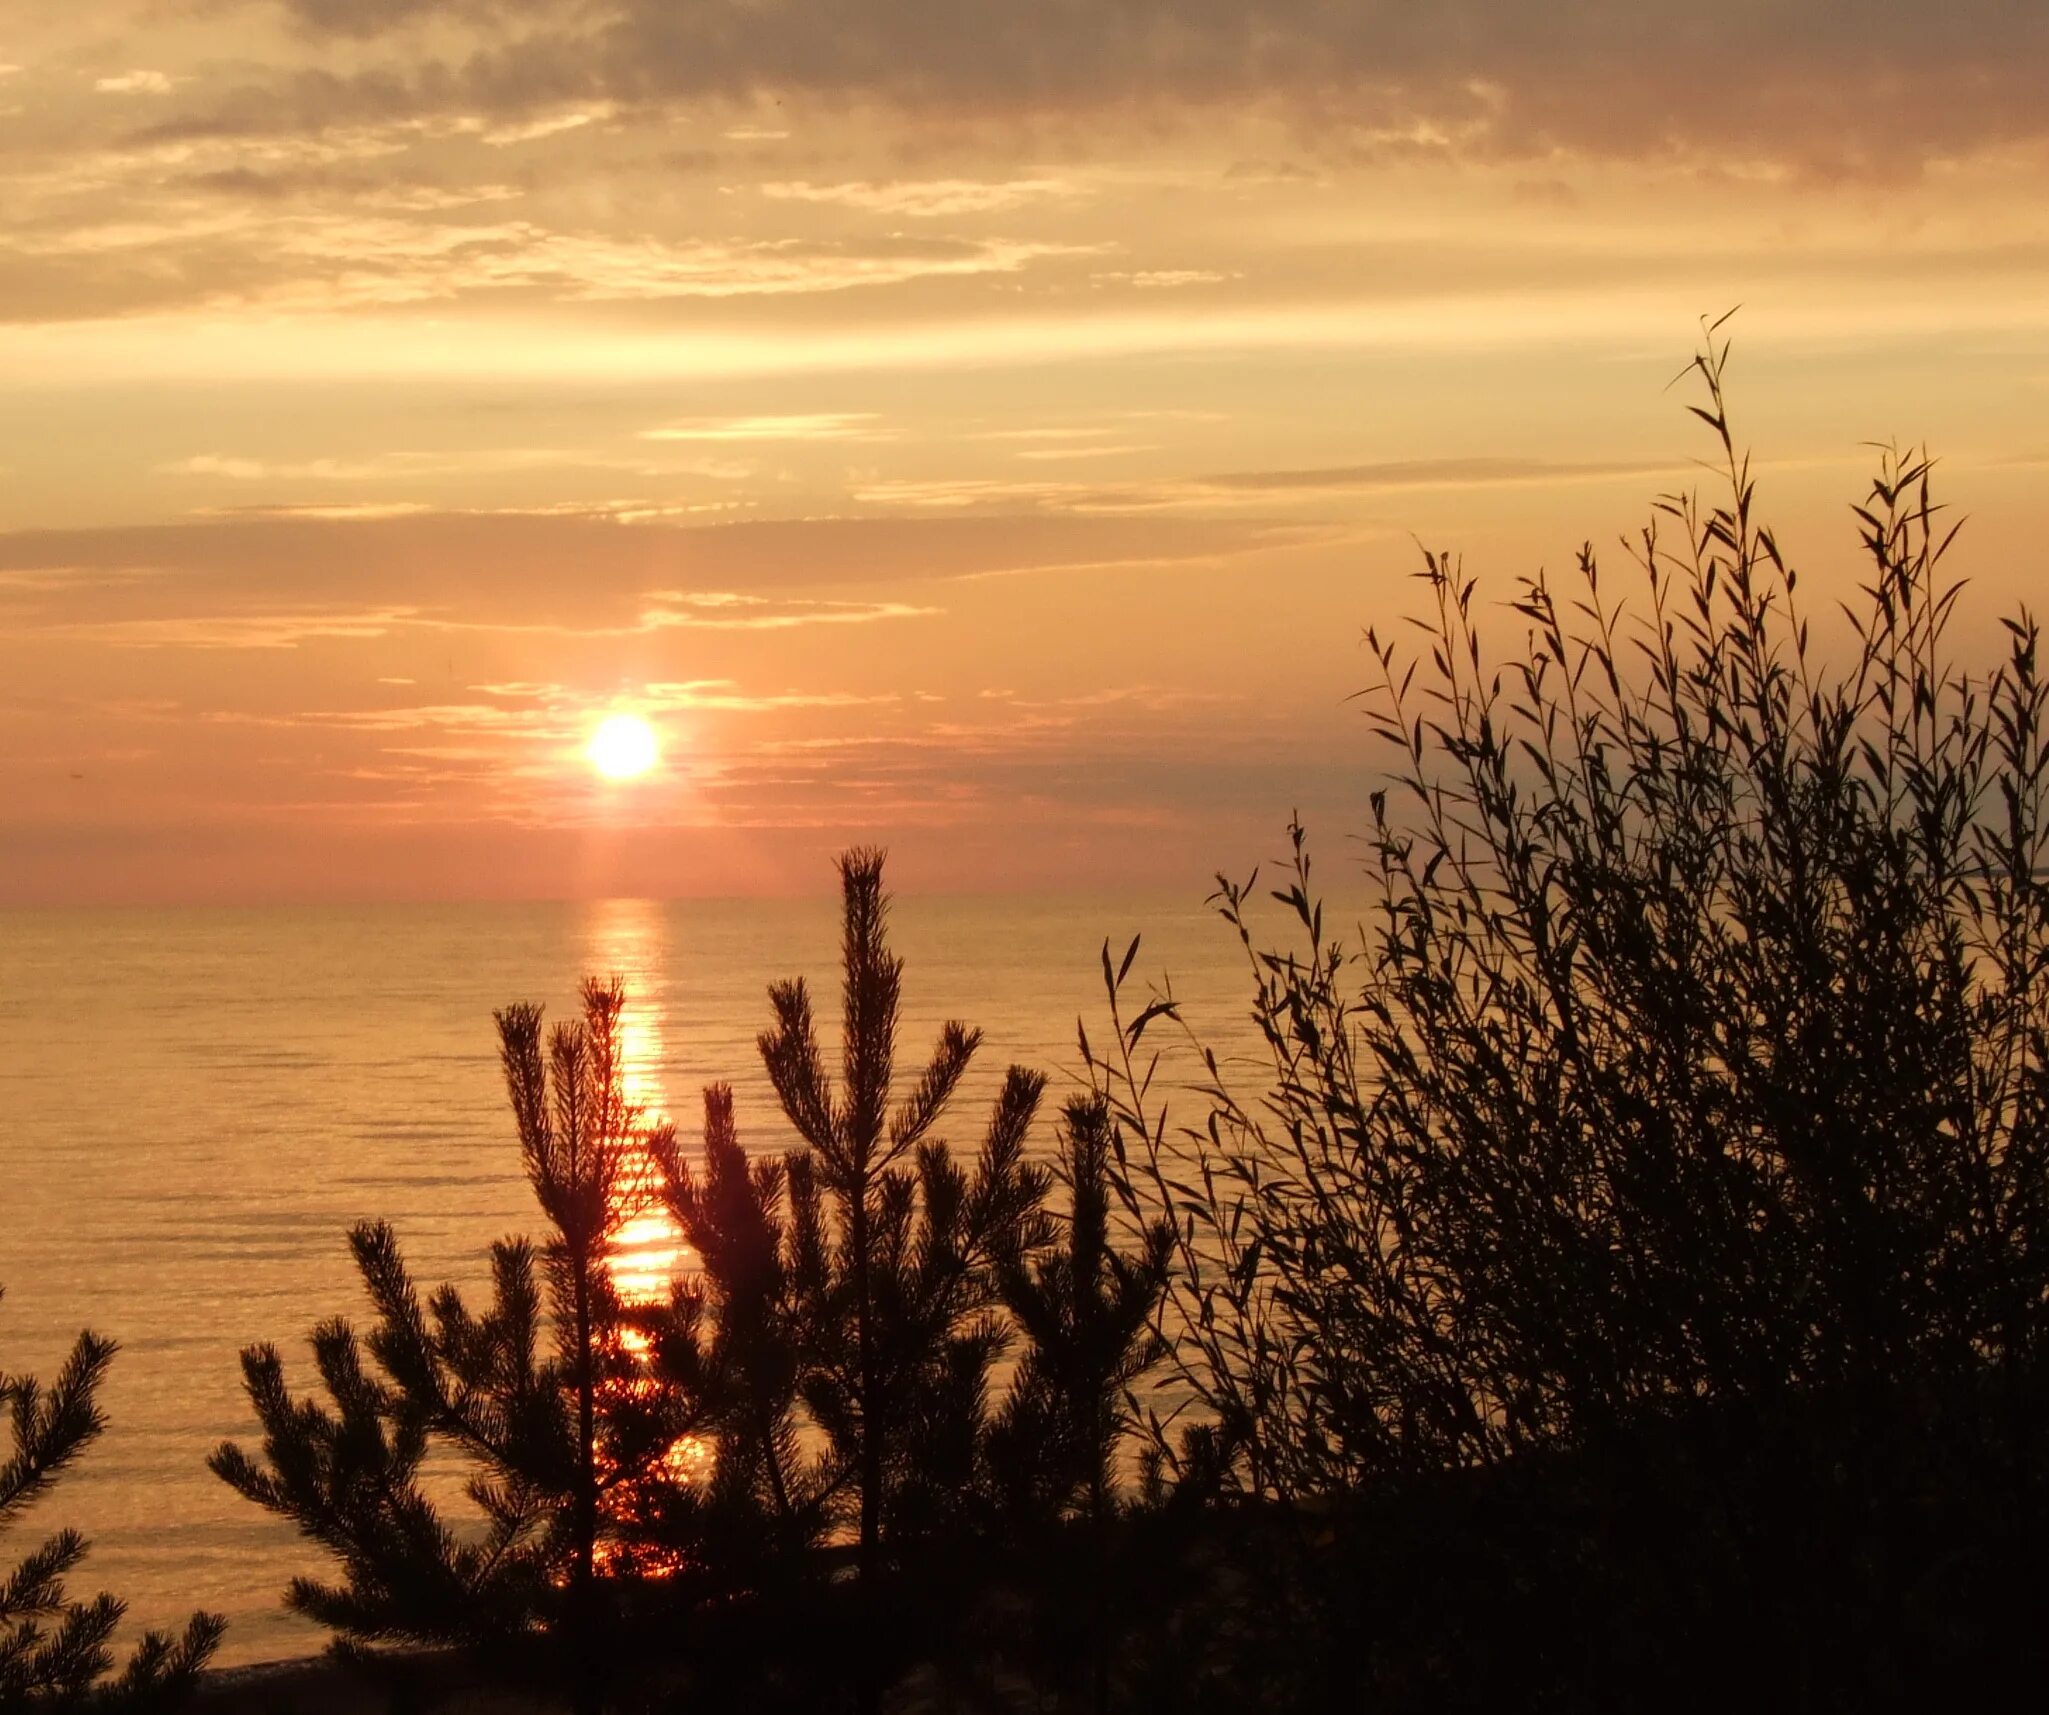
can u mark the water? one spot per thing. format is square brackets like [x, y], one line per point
[196, 1105]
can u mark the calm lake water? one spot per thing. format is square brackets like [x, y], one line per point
[198, 1104]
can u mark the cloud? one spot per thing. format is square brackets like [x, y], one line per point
[1075, 432]
[326, 182]
[339, 510]
[1827, 81]
[623, 269]
[723, 611]
[547, 125]
[268, 580]
[1164, 279]
[810, 426]
[234, 631]
[927, 198]
[1427, 473]
[724, 696]
[401, 465]
[1001, 494]
[1228, 489]
[371, 17]
[388, 249]
[135, 83]
[1092, 451]
[561, 711]
[394, 263]
[438, 199]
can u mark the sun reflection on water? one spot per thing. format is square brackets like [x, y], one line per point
[626, 938]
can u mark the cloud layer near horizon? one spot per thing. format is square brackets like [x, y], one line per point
[946, 422]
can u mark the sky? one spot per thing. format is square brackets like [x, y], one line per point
[986, 430]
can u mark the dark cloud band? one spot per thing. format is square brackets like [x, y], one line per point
[1873, 84]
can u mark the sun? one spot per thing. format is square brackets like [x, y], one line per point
[623, 747]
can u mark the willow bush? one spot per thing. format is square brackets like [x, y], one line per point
[1673, 1122]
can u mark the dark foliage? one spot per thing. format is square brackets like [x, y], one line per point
[1629, 1288]
[827, 1366]
[541, 1397]
[895, 1252]
[55, 1652]
[1087, 1311]
[1647, 1208]
[760, 1494]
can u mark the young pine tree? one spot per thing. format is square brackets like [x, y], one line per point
[893, 1250]
[1087, 1312]
[733, 1337]
[542, 1396]
[54, 1651]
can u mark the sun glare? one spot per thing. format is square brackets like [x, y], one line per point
[622, 747]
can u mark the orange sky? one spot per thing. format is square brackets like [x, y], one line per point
[983, 430]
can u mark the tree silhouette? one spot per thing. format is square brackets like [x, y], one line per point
[894, 1249]
[1087, 1312]
[893, 1256]
[820, 1379]
[562, 1446]
[734, 1337]
[54, 1652]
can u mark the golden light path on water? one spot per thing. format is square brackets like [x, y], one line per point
[626, 941]
[648, 1253]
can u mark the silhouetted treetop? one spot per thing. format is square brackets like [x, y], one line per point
[55, 1653]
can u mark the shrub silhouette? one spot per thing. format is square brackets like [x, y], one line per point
[1674, 1126]
[54, 1652]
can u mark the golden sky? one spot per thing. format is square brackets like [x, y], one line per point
[985, 429]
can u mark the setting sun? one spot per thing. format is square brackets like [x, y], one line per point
[623, 747]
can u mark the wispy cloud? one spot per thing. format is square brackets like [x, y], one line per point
[724, 696]
[382, 467]
[1164, 279]
[1224, 491]
[724, 611]
[1092, 451]
[809, 426]
[1431, 473]
[1004, 494]
[412, 247]
[140, 82]
[546, 125]
[927, 199]
[1050, 433]
[609, 268]
[555, 568]
[334, 511]
[235, 631]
